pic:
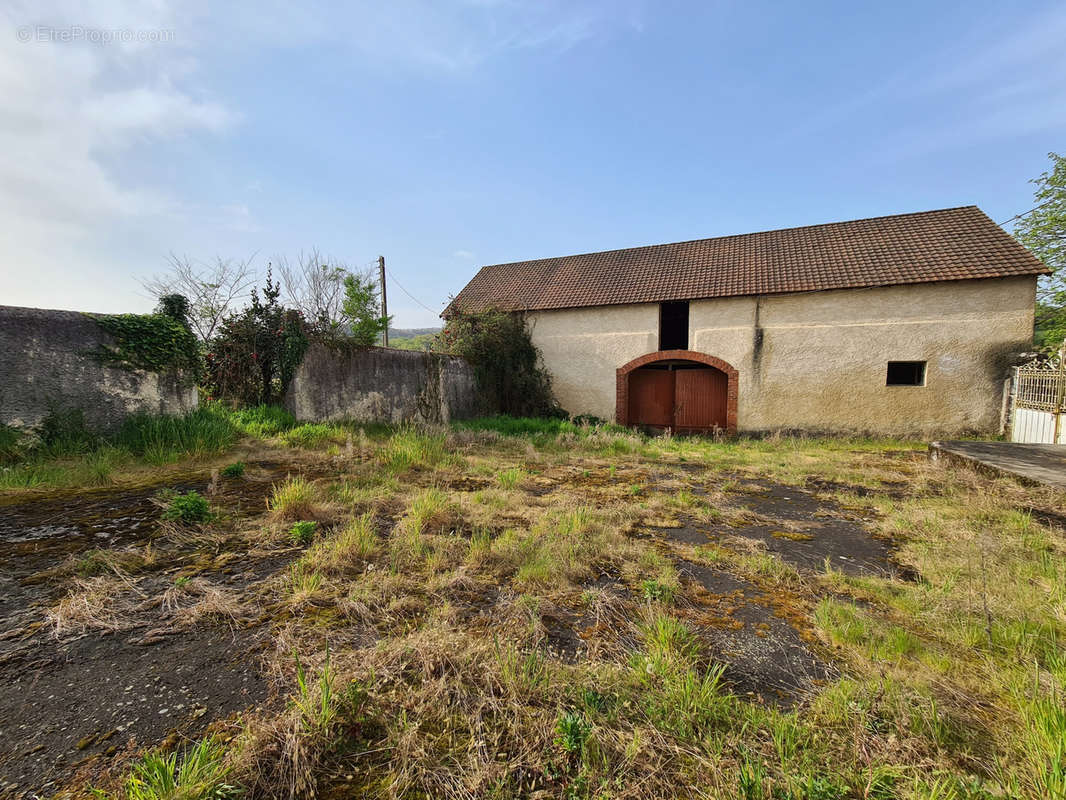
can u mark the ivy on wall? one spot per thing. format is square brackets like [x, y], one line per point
[156, 342]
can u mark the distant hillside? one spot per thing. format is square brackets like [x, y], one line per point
[410, 333]
[412, 338]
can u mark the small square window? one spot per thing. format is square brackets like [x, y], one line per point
[905, 373]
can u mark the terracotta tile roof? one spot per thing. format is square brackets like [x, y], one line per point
[945, 245]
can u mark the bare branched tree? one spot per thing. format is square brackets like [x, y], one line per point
[315, 286]
[211, 288]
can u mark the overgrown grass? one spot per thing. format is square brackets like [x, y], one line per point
[311, 435]
[495, 640]
[295, 498]
[263, 421]
[164, 439]
[65, 453]
[410, 448]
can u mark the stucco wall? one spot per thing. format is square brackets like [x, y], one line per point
[45, 367]
[382, 385]
[817, 360]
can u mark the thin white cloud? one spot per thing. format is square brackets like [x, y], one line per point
[83, 124]
[464, 254]
[69, 107]
[431, 36]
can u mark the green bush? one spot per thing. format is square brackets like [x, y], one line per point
[302, 532]
[256, 351]
[510, 375]
[189, 508]
[234, 470]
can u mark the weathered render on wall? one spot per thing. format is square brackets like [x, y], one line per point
[583, 347]
[46, 366]
[382, 385]
[817, 360]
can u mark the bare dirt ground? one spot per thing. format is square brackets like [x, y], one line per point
[135, 672]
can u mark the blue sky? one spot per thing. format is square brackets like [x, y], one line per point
[446, 135]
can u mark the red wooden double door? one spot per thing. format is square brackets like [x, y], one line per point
[678, 395]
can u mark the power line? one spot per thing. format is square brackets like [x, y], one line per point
[398, 286]
[1030, 211]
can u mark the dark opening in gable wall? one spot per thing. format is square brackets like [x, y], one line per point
[673, 326]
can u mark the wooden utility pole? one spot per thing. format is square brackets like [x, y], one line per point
[384, 303]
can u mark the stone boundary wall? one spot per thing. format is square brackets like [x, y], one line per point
[382, 385]
[45, 367]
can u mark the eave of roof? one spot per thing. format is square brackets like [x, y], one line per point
[932, 246]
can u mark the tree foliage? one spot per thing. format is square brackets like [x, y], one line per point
[362, 310]
[1044, 232]
[508, 366]
[257, 350]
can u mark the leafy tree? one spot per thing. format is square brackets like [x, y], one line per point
[507, 364]
[257, 350]
[362, 310]
[1043, 231]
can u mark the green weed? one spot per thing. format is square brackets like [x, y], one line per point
[188, 508]
[294, 498]
[510, 478]
[654, 591]
[200, 774]
[571, 732]
[234, 470]
[301, 533]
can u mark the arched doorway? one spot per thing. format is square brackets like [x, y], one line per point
[678, 389]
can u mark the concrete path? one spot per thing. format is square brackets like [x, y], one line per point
[1034, 463]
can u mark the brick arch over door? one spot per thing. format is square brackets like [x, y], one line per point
[623, 372]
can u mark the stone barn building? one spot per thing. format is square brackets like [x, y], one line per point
[904, 324]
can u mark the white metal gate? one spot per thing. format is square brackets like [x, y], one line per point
[1038, 414]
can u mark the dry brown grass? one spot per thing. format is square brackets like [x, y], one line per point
[191, 601]
[92, 604]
